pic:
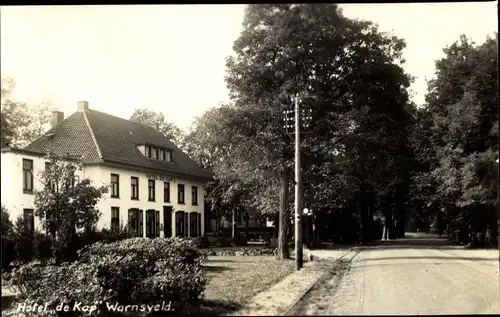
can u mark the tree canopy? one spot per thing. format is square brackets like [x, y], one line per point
[462, 101]
[346, 72]
[157, 121]
[22, 123]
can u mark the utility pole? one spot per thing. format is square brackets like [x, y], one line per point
[298, 191]
[300, 117]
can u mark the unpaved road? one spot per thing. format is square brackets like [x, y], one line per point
[421, 275]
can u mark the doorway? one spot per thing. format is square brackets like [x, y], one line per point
[152, 223]
[167, 221]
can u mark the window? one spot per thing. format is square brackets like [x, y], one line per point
[194, 195]
[179, 223]
[158, 153]
[186, 224]
[115, 185]
[166, 192]
[180, 194]
[134, 182]
[157, 220]
[199, 223]
[135, 221]
[29, 221]
[193, 219]
[27, 176]
[151, 189]
[115, 218]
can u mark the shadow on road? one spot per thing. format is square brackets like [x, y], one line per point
[427, 246]
[451, 258]
[421, 241]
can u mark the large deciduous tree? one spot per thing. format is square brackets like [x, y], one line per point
[208, 143]
[463, 99]
[346, 72]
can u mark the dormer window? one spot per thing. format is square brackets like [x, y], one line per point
[156, 153]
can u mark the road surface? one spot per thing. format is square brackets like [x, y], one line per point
[421, 275]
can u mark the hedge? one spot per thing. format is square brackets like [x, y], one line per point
[133, 271]
[241, 252]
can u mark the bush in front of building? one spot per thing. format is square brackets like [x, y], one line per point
[151, 269]
[104, 235]
[133, 271]
[8, 251]
[200, 242]
[67, 283]
[21, 246]
[22, 239]
[42, 247]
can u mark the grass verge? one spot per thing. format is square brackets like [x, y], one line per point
[235, 280]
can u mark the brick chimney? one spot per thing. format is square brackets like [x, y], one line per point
[83, 106]
[57, 117]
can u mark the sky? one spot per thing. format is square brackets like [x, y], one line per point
[171, 58]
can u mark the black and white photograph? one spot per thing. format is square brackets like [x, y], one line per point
[250, 159]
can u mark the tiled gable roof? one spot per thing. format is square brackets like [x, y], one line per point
[102, 137]
[72, 136]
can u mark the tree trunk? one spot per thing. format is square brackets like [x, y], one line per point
[232, 232]
[365, 215]
[370, 223]
[315, 233]
[393, 225]
[362, 219]
[387, 226]
[402, 228]
[217, 220]
[283, 248]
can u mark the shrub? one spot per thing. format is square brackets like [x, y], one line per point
[22, 241]
[42, 247]
[200, 242]
[240, 240]
[89, 237]
[8, 251]
[66, 283]
[7, 225]
[242, 252]
[166, 269]
[129, 271]
[224, 241]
